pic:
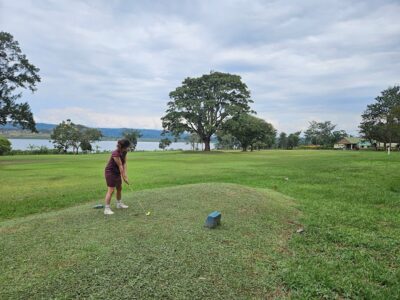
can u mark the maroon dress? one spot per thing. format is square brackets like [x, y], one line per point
[112, 173]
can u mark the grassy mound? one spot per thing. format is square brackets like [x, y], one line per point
[80, 253]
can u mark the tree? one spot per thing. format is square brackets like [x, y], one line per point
[5, 145]
[337, 135]
[193, 139]
[65, 135]
[132, 136]
[249, 130]
[201, 105]
[16, 72]
[164, 143]
[87, 137]
[86, 146]
[293, 140]
[380, 121]
[394, 124]
[226, 141]
[283, 141]
[322, 133]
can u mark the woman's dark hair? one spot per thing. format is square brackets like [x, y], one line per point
[124, 143]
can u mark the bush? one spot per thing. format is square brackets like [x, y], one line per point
[5, 146]
[313, 147]
[35, 150]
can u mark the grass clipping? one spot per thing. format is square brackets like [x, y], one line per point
[79, 253]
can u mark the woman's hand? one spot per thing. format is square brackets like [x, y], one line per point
[125, 178]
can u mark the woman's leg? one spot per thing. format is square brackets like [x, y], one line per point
[110, 191]
[119, 202]
[119, 193]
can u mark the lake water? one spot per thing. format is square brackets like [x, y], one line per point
[23, 144]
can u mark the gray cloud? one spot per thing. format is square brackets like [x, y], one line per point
[117, 60]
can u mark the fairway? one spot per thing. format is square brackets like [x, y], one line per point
[347, 201]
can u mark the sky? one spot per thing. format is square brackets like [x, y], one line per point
[114, 63]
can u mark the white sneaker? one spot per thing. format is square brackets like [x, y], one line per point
[108, 211]
[121, 205]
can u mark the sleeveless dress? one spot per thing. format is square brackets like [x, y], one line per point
[111, 172]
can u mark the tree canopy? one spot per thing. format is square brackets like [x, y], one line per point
[69, 135]
[201, 105]
[283, 140]
[293, 140]
[5, 145]
[381, 120]
[226, 141]
[323, 133]
[132, 136]
[164, 143]
[250, 130]
[16, 72]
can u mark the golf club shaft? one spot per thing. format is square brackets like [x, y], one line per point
[140, 204]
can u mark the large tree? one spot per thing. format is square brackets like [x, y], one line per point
[201, 105]
[250, 130]
[283, 140]
[381, 120]
[65, 135]
[319, 133]
[323, 133]
[16, 72]
[293, 140]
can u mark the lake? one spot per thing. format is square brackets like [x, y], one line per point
[23, 144]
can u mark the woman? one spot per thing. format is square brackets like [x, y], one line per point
[115, 170]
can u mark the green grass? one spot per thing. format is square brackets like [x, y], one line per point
[350, 204]
[79, 253]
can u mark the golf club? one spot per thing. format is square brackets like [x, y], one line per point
[147, 213]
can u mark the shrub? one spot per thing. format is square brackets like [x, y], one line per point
[312, 147]
[34, 150]
[5, 146]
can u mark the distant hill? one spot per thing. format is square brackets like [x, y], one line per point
[41, 127]
[110, 133]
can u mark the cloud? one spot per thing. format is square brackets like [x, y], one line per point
[117, 61]
[95, 119]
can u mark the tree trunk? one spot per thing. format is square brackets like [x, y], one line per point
[206, 141]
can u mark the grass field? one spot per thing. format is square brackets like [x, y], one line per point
[348, 203]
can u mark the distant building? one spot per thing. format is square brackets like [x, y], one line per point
[381, 146]
[352, 143]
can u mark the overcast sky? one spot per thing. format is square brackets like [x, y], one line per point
[113, 63]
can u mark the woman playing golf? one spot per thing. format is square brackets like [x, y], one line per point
[115, 172]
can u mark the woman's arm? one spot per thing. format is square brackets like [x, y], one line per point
[121, 169]
[126, 166]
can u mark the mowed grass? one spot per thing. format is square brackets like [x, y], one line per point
[80, 253]
[350, 204]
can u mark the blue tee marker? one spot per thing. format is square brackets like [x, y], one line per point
[213, 219]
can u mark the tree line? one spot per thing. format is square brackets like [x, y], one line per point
[68, 135]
